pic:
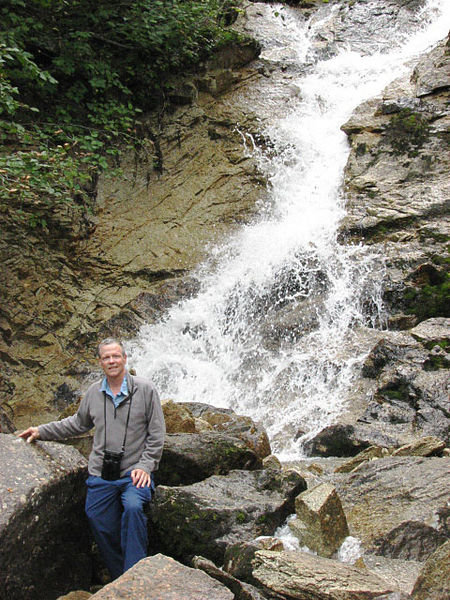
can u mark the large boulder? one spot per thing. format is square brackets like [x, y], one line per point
[300, 575]
[44, 540]
[206, 517]
[166, 579]
[226, 420]
[397, 506]
[191, 457]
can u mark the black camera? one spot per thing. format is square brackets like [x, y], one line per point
[111, 465]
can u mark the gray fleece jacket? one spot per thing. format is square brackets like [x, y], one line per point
[146, 427]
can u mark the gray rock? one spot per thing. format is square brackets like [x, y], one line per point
[238, 557]
[191, 457]
[427, 446]
[44, 540]
[401, 574]
[371, 453]
[300, 575]
[406, 400]
[206, 517]
[240, 426]
[397, 506]
[166, 579]
[432, 331]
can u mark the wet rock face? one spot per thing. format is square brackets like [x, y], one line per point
[406, 377]
[397, 505]
[398, 188]
[44, 540]
[195, 184]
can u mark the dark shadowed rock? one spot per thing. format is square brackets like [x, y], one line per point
[44, 541]
[191, 457]
[433, 582]
[206, 517]
[299, 575]
[397, 506]
[335, 440]
[162, 578]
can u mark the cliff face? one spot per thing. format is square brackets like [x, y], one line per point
[107, 273]
[398, 187]
[92, 276]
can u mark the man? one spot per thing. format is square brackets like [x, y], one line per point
[128, 442]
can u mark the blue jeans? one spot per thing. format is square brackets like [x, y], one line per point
[115, 511]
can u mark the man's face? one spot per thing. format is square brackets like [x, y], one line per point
[113, 361]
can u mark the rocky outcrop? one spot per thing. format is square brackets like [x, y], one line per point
[192, 184]
[225, 419]
[206, 517]
[44, 541]
[397, 506]
[191, 457]
[398, 189]
[406, 377]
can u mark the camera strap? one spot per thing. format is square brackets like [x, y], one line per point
[130, 396]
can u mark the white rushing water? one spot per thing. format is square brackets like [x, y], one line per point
[224, 347]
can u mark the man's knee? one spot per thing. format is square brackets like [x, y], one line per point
[134, 499]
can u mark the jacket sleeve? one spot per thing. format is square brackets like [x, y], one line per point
[156, 430]
[71, 426]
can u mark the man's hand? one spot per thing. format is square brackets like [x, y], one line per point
[30, 434]
[140, 478]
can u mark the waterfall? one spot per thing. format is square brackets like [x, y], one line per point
[275, 330]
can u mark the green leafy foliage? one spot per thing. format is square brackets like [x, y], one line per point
[87, 69]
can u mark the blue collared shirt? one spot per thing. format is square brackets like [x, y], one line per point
[120, 396]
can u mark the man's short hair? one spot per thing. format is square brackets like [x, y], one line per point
[109, 341]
